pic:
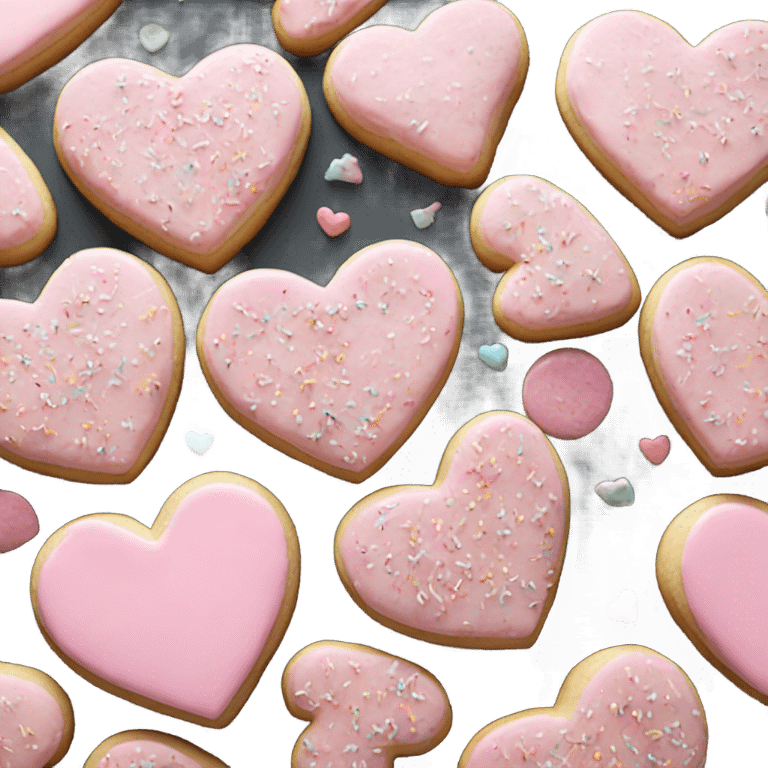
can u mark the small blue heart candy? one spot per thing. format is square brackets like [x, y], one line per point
[616, 493]
[494, 356]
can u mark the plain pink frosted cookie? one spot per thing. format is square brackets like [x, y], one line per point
[18, 521]
[702, 337]
[679, 130]
[623, 706]
[195, 165]
[438, 99]
[331, 685]
[711, 572]
[337, 377]
[218, 573]
[565, 276]
[567, 393]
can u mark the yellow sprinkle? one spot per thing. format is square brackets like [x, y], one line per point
[150, 313]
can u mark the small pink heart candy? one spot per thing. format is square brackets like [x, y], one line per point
[333, 224]
[625, 608]
[18, 521]
[655, 450]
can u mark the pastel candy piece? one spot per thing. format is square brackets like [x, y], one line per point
[345, 168]
[685, 147]
[153, 37]
[656, 449]
[275, 349]
[473, 560]
[474, 56]
[217, 572]
[93, 369]
[203, 160]
[333, 224]
[199, 443]
[623, 608]
[18, 521]
[567, 393]
[711, 571]
[494, 356]
[565, 276]
[149, 749]
[702, 337]
[36, 34]
[596, 720]
[425, 217]
[616, 493]
[329, 684]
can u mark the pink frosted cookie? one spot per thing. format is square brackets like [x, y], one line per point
[711, 572]
[90, 373]
[703, 331]
[149, 749]
[567, 393]
[36, 34]
[623, 707]
[309, 27]
[331, 685]
[565, 276]
[472, 56]
[337, 377]
[182, 617]
[679, 130]
[18, 521]
[36, 718]
[27, 212]
[474, 559]
[191, 166]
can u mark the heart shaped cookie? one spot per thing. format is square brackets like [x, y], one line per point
[623, 706]
[182, 617]
[703, 338]
[36, 718]
[337, 377]
[711, 572]
[191, 166]
[565, 276]
[474, 559]
[677, 129]
[330, 684]
[90, 373]
[36, 34]
[438, 99]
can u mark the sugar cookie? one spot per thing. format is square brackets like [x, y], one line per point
[18, 521]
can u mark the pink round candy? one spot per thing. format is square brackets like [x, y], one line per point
[18, 521]
[567, 393]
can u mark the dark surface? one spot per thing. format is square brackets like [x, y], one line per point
[610, 552]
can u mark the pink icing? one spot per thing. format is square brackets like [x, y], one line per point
[338, 372]
[187, 159]
[85, 371]
[18, 521]
[307, 19]
[31, 724]
[21, 209]
[638, 710]
[363, 705]
[568, 393]
[467, 52]
[145, 754]
[570, 270]
[709, 335]
[181, 620]
[685, 125]
[476, 556]
[724, 577]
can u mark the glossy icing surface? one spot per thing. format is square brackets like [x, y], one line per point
[305, 19]
[85, 371]
[21, 209]
[439, 90]
[31, 724]
[724, 577]
[709, 336]
[18, 521]
[145, 754]
[339, 372]
[362, 705]
[638, 710]
[213, 582]
[189, 158]
[569, 269]
[476, 556]
[685, 125]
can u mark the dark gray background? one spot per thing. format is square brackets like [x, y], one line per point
[608, 593]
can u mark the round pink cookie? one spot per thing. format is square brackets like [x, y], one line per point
[18, 521]
[567, 393]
